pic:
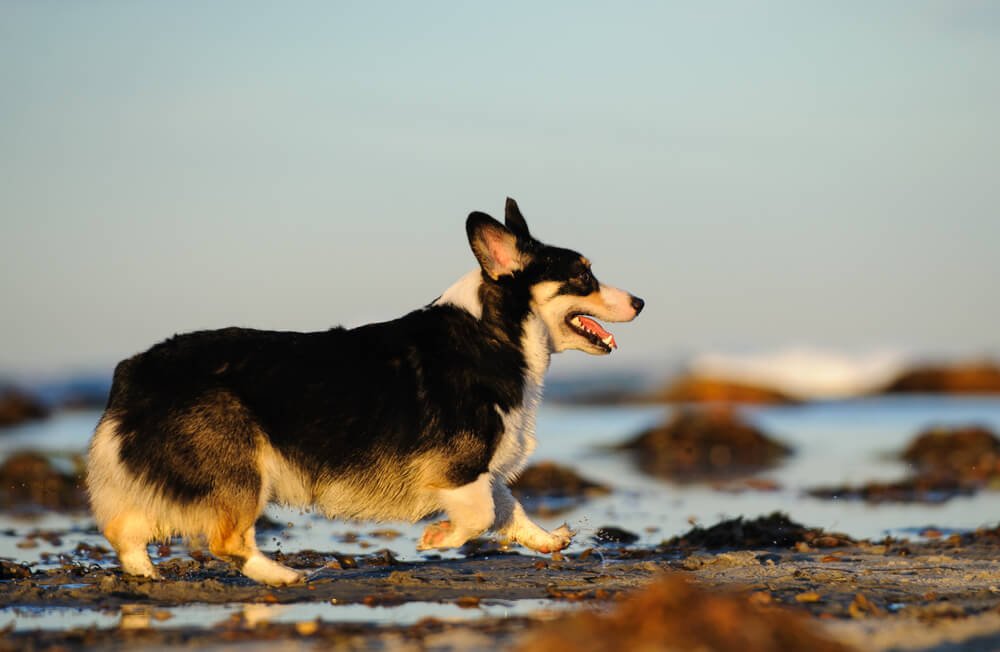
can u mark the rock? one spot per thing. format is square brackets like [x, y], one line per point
[699, 444]
[673, 614]
[30, 480]
[703, 389]
[549, 488]
[969, 378]
[17, 407]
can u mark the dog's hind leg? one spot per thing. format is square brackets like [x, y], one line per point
[129, 534]
[234, 539]
[470, 512]
[118, 502]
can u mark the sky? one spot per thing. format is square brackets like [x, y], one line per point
[763, 174]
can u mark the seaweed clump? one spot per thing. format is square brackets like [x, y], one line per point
[29, 480]
[16, 407]
[705, 389]
[705, 444]
[673, 614]
[550, 488]
[968, 452]
[773, 531]
[982, 377]
[946, 462]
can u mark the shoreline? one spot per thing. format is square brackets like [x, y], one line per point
[877, 595]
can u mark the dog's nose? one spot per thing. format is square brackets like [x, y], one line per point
[637, 305]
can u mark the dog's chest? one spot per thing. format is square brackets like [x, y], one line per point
[518, 439]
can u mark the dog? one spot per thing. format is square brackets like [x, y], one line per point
[431, 412]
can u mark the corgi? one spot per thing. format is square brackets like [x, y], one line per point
[431, 412]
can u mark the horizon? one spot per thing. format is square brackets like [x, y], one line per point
[800, 175]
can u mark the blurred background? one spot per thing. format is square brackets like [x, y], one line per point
[806, 194]
[817, 181]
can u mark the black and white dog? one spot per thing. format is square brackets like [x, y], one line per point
[434, 411]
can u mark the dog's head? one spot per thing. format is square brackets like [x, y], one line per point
[562, 289]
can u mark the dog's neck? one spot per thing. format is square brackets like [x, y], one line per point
[468, 294]
[537, 347]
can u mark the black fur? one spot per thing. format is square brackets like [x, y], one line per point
[335, 402]
[328, 400]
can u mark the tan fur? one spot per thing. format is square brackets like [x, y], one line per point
[233, 536]
[116, 493]
[388, 490]
[131, 511]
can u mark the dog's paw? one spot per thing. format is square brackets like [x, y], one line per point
[289, 577]
[553, 541]
[152, 575]
[437, 535]
[267, 571]
[280, 577]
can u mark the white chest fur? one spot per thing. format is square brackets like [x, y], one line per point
[518, 439]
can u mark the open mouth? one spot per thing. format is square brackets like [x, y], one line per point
[588, 328]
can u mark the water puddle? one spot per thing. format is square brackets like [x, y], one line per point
[834, 442]
[251, 615]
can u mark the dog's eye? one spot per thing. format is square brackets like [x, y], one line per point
[585, 277]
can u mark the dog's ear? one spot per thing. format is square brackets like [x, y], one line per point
[493, 244]
[515, 221]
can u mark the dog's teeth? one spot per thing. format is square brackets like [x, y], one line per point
[610, 341]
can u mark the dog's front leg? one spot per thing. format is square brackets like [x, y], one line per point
[470, 513]
[512, 522]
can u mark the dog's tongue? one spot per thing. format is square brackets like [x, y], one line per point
[594, 327]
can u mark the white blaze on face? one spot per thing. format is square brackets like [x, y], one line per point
[618, 304]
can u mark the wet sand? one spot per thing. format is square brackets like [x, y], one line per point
[886, 595]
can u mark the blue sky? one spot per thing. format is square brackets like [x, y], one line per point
[764, 174]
